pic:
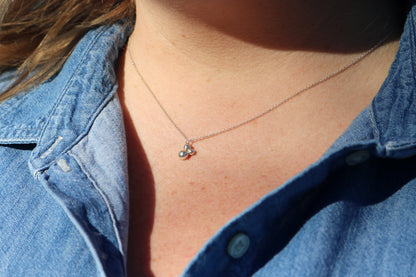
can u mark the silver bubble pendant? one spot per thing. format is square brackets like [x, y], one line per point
[187, 152]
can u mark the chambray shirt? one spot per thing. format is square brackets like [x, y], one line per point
[64, 195]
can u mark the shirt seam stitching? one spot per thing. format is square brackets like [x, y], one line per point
[67, 85]
[104, 197]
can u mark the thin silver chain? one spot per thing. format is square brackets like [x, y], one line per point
[270, 109]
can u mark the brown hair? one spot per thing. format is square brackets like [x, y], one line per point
[37, 36]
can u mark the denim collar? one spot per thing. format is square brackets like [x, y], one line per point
[394, 114]
[58, 113]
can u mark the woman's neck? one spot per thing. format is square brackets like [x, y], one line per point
[224, 31]
[217, 54]
[186, 49]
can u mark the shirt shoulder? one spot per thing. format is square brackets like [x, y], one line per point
[89, 68]
[54, 204]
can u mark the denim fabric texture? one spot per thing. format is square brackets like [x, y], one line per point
[64, 184]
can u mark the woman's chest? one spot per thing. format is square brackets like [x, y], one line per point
[177, 205]
[176, 209]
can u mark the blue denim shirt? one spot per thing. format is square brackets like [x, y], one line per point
[64, 197]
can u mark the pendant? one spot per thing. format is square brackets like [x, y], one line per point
[187, 152]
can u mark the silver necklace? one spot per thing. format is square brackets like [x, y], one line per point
[188, 149]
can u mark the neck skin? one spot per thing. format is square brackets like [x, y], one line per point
[224, 34]
[226, 48]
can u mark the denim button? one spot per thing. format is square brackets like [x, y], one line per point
[357, 157]
[238, 245]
